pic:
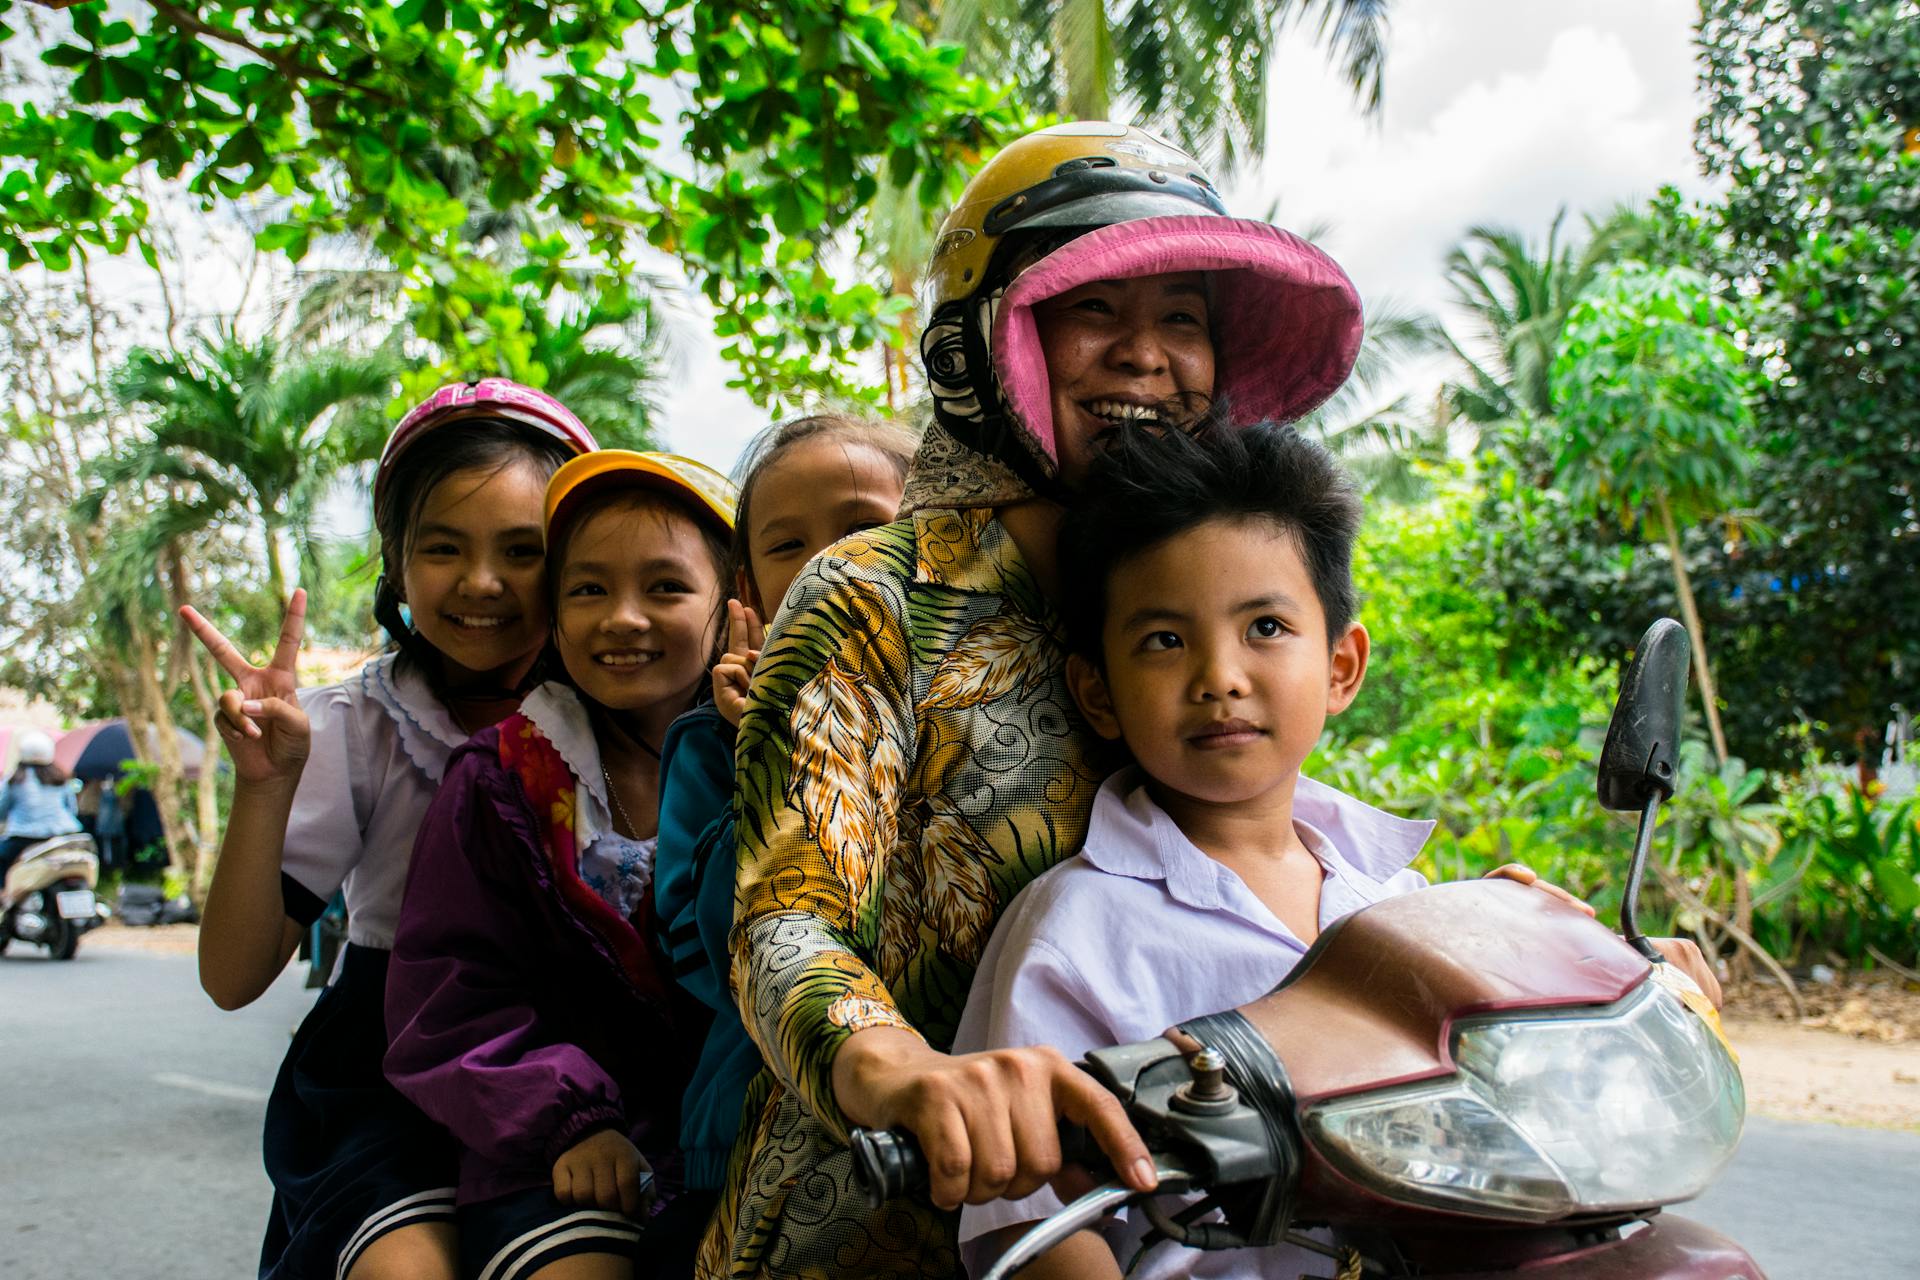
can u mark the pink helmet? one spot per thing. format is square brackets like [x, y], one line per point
[482, 398]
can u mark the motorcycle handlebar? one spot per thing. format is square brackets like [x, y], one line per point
[888, 1163]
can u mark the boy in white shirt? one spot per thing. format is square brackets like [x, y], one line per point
[1209, 606]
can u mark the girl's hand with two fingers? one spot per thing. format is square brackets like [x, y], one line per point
[604, 1170]
[733, 674]
[260, 720]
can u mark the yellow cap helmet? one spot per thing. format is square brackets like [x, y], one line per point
[710, 494]
[1089, 173]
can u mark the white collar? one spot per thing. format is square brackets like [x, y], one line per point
[1130, 835]
[561, 718]
[428, 731]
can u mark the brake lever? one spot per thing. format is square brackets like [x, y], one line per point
[1083, 1213]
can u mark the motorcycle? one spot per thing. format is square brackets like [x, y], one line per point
[1466, 1082]
[48, 897]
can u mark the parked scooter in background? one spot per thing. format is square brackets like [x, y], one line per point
[48, 897]
[1468, 1082]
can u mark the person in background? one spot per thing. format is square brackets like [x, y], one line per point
[37, 802]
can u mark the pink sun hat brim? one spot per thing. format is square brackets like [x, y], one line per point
[1285, 318]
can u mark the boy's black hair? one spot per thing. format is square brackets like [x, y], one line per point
[1145, 487]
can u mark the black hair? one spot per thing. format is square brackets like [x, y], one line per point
[478, 443]
[715, 540]
[893, 442]
[50, 775]
[1146, 487]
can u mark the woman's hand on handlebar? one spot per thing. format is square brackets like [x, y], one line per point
[988, 1123]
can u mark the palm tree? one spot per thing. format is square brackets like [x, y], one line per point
[1194, 70]
[249, 429]
[611, 386]
[1384, 440]
[1519, 297]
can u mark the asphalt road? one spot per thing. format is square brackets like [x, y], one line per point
[130, 1139]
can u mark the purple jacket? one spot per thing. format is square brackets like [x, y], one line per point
[521, 1016]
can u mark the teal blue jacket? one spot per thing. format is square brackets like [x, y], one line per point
[693, 898]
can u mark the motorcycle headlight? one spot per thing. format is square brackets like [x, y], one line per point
[1551, 1115]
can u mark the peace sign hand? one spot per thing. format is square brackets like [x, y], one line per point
[266, 732]
[734, 672]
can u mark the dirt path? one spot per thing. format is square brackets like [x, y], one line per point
[1855, 1060]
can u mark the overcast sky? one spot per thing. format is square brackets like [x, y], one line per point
[1496, 111]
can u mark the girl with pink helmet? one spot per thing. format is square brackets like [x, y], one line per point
[330, 788]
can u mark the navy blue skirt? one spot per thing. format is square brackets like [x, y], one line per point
[349, 1158]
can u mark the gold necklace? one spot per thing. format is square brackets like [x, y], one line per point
[632, 832]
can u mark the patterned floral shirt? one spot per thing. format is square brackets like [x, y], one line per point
[910, 759]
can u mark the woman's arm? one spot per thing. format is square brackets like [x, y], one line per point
[825, 746]
[1084, 1255]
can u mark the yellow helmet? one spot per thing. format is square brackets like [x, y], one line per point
[1088, 173]
[710, 494]
[1076, 203]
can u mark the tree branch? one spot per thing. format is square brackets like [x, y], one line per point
[1675, 886]
[292, 67]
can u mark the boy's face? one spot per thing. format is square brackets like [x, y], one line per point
[1218, 673]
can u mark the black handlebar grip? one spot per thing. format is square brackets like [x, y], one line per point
[888, 1164]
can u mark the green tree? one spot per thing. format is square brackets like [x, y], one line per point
[337, 106]
[1387, 442]
[1519, 296]
[250, 431]
[1651, 396]
[1813, 122]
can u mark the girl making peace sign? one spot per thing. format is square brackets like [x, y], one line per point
[330, 788]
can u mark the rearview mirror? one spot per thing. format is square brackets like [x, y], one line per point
[1642, 753]
[1641, 758]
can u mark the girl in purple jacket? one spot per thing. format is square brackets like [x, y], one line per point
[530, 1013]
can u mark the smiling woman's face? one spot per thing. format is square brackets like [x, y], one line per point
[1124, 350]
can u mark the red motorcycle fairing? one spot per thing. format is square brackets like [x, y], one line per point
[1663, 1248]
[1422, 962]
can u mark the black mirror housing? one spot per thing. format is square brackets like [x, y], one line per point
[1641, 757]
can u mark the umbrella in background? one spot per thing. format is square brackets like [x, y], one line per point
[98, 750]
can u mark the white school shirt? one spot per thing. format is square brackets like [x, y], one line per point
[1141, 931]
[380, 744]
[379, 749]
